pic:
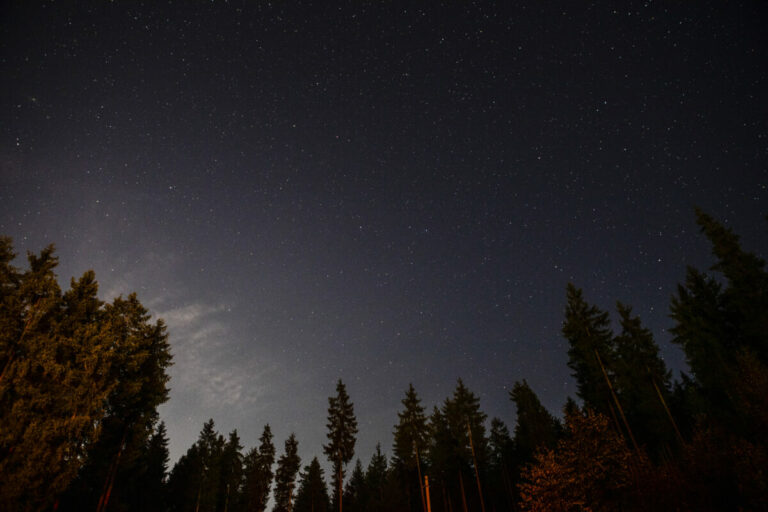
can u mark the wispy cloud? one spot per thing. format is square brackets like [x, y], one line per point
[209, 363]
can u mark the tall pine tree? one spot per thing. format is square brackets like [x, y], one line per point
[150, 491]
[258, 473]
[536, 428]
[453, 448]
[313, 492]
[411, 438]
[720, 323]
[376, 481]
[342, 429]
[231, 474]
[643, 383]
[356, 492]
[588, 332]
[285, 476]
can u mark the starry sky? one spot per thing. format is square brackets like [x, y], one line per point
[381, 192]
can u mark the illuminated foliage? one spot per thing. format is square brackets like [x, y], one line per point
[589, 470]
[69, 364]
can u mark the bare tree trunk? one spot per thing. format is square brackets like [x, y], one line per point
[446, 500]
[341, 486]
[418, 469]
[111, 474]
[110, 482]
[477, 471]
[669, 413]
[463, 494]
[618, 405]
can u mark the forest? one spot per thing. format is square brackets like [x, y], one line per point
[82, 381]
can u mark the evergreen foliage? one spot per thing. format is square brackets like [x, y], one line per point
[231, 474]
[451, 457]
[355, 492]
[313, 492]
[589, 470]
[411, 441]
[70, 366]
[285, 476]
[502, 467]
[149, 493]
[81, 380]
[643, 383]
[376, 481]
[342, 431]
[587, 330]
[258, 473]
[718, 321]
[536, 428]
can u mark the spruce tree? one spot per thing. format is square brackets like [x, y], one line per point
[258, 473]
[141, 355]
[411, 441]
[342, 429]
[463, 414]
[65, 360]
[642, 382]
[355, 492]
[443, 462]
[195, 481]
[502, 466]
[312, 495]
[412, 431]
[285, 476]
[587, 330]
[722, 322]
[185, 481]
[231, 474]
[376, 480]
[453, 449]
[536, 428]
[150, 491]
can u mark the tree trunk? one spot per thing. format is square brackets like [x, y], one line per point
[463, 494]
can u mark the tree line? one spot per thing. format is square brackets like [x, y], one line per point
[81, 382]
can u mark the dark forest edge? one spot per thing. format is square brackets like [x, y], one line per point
[82, 380]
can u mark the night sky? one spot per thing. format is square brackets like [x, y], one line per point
[379, 192]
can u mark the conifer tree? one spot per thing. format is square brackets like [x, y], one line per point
[536, 428]
[312, 495]
[442, 455]
[462, 411]
[502, 465]
[591, 469]
[150, 491]
[375, 481]
[185, 481]
[342, 429]
[453, 448]
[355, 492]
[285, 476]
[141, 356]
[411, 441]
[719, 324]
[258, 473]
[642, 382]
[64, 360]
[195, 482]
[231, 473]
[587, 330]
